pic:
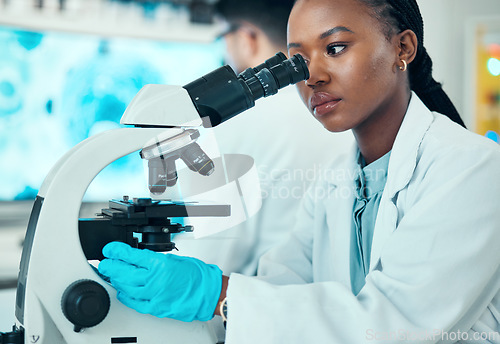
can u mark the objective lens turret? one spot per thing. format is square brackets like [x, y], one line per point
[162, 155]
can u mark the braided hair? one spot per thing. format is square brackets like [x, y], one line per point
[400, 15]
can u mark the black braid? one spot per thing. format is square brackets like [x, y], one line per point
[402, 15]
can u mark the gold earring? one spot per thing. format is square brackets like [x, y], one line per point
[405, 66]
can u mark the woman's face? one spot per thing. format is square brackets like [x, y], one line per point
[353, 66]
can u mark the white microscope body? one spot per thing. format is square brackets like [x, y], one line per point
[53, 258]
[61, 299]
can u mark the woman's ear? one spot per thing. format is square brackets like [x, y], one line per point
[407, 45]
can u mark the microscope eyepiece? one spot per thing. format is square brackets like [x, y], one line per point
[269, 63]
[221, 94]
[268, 81]
[291, 71]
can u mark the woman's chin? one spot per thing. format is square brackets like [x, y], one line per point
[335, 127]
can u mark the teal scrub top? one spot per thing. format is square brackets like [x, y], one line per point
[369, 185]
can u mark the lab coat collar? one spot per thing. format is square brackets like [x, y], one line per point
[403, 161]
[402, 164]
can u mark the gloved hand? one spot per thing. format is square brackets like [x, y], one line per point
[164, 285]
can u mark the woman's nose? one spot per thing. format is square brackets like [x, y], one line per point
[318, 75]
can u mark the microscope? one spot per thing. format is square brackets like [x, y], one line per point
[61, 299]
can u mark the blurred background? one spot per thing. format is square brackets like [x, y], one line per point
[68, 69]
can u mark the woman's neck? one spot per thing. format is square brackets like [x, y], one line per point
[376, 136]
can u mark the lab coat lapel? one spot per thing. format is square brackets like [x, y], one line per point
[338, 207]
[402, 164]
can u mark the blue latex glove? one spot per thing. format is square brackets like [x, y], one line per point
[164, 285]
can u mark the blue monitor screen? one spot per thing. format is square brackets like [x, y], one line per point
[57, 89]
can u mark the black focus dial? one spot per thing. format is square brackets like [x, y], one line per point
[85, 303]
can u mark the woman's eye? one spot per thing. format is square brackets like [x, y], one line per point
[334, 49]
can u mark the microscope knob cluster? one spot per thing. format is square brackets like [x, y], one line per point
[85, 303]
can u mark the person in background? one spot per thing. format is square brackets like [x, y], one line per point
[288, 146]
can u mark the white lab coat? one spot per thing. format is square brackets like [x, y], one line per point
[289, 146]
[435, 260]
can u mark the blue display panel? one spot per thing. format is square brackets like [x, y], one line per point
[57, 89]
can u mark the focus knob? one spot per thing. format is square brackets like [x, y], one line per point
[85, 303]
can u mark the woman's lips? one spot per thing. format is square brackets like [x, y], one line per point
[322, 103]
[324, 108]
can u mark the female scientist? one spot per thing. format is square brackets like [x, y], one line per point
[398, 241]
